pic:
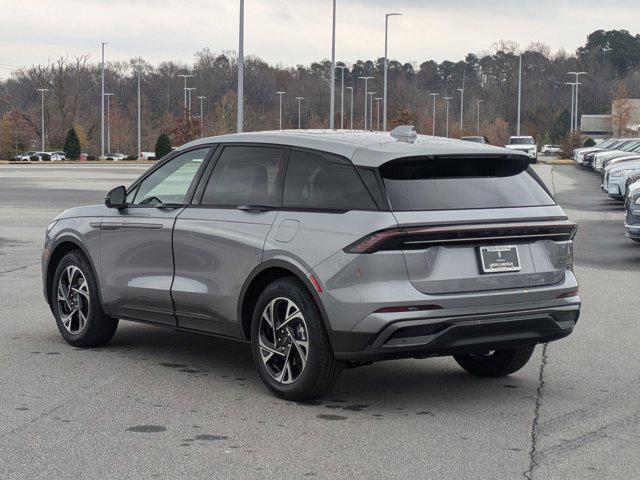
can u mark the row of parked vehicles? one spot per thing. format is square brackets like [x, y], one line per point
[33, 155]
[525, 144]
[618, 161]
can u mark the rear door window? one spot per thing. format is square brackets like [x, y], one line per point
[422, 183]
[324, 182]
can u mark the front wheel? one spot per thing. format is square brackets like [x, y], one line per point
[290, 344]
[76, 305]
[496, 363]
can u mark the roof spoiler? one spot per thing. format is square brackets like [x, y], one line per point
[405, 133]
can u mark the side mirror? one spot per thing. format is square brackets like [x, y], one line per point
[116, 198]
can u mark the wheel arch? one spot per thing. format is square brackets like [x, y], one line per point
[259, 278]
[62, 246]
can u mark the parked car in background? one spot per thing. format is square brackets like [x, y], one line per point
[477, 139]
[58, 156]
[579, 154]
[147, 156]
[524, 144]
[615, 178]
[632, 215]
[550, 149]
[627, 149]
[116, 157]
[632, 183]
[325, 251]
[26, 156]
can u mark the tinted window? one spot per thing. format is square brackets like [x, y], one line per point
[246, 176]
[461, 183]
[314, 181]
[520, 141]
[170, 182]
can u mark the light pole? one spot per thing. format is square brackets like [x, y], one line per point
[332, 108]
[573, 90]
[519, 93]
[138, 68]
[190, 89]
[342, 67]
[371, 94]
[42, 90]
[479, 102]
[366, 79]
[185, 76]
[102, 104]
[299, 111]
[446, 99]
[240, 121]
[461, 90]
[377, 99]
[108, 95]
[280, 94]
[201, 117]
[386, 66]
[433, 119]
[351, 115]
[577, 74]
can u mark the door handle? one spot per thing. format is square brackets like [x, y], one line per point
[255, 208]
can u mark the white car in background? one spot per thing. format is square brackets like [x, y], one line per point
[524, 144]
[57, 156]
[550, 149]
[615, 177]
[116, 157]
[601, 159]
[579, 153]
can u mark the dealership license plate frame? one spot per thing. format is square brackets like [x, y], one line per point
[491, 259]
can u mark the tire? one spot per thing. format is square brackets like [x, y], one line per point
[496, 364]
[98, 328]
[304, 380]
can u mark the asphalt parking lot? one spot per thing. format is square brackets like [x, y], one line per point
[160, 404]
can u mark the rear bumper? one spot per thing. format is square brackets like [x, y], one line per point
[458, 334]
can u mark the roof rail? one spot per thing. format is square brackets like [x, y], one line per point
[405, 133]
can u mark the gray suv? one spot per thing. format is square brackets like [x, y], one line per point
[325, 250]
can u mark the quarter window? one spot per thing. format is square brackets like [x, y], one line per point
[314, 181]
[170, 183]
[246, 175]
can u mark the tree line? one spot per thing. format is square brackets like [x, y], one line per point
[611, 58]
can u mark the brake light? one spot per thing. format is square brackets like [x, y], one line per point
[572, 293]
[374, 241]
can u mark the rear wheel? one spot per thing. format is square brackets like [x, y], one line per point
[496, 363]
[290, 344]
[76, 305]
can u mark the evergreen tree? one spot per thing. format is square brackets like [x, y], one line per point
[72, 145]
[163, 146]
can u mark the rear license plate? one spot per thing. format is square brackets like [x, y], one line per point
[499, 259]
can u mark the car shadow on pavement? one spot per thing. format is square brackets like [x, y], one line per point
[421, 385]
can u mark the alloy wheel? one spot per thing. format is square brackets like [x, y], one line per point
[283, 340]
[73, 299]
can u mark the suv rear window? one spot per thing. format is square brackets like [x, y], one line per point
[422, 183]
[324, 182]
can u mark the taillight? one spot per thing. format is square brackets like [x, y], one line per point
[572, 293]
[373, 242]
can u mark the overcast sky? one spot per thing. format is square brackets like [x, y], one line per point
[291, 32]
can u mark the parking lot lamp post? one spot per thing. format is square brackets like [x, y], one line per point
[280, 94]
[371, 94]
[366, 79]
[201, 116]
[299, 99]
[577, 74]
[108, 95]
[461, 90]
[433, 118]
[342, 67]
[519, 93]
[190, 89]
[479, 102]
[138, 68]
[240, 120]
[351, 115]
[446, 99]
[185, 76]
[386, 66]
[377, 99]
[573, 89]
[42, 90]
[102, 104]
[332, 107]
